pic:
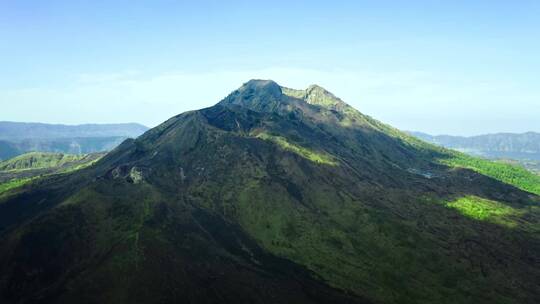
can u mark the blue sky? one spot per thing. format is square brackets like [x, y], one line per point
[454, 67]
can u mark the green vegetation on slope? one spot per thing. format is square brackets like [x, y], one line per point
[531, 165]
[317, 157]
[12, 184]
[507, 173]
[38, 160]
[487, 210]
[25, 168]
[371, 249]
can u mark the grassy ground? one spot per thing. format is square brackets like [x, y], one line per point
[511, 174]
[26, 168]
[15, 183]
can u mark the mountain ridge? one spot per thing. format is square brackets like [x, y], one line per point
[15, 131]
[18, 138]
[520, 148]
[266, 198]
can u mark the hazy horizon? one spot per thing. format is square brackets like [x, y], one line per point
[471, 71]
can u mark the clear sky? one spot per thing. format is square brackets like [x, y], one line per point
[454, 67]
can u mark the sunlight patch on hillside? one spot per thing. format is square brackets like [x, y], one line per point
[486, 210]
[513, 175]
[316, 157]
[12, 184]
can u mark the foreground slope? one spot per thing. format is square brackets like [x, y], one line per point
[273, 195]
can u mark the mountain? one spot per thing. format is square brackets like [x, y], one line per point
[19, 138]
[8, 150]
[274, 195]
[39, 160]
[525, 146]
[79, 145]
[16, 131]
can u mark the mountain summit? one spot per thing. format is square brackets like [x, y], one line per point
[267, 91]
[316, 95]
[274, 195]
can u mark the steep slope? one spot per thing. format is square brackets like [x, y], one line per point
[273, 195]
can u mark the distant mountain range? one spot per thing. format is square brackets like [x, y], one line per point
[16, 131]
[499, 145]
[17, 138]
[522, 149]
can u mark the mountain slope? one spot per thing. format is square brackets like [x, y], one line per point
[273, 195]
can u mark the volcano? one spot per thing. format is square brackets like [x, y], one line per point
[274, 195]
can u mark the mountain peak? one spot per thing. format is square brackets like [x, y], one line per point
[261, 85]
[316, 87]
[256, 94]
[268, 96]
[317, 95]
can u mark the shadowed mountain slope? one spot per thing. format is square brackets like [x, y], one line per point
[273, 195]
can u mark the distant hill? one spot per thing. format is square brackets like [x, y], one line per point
[8, 150]
[499, 145]
[39, 160]
[19, 138]
[30, 166]
[18, 131]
